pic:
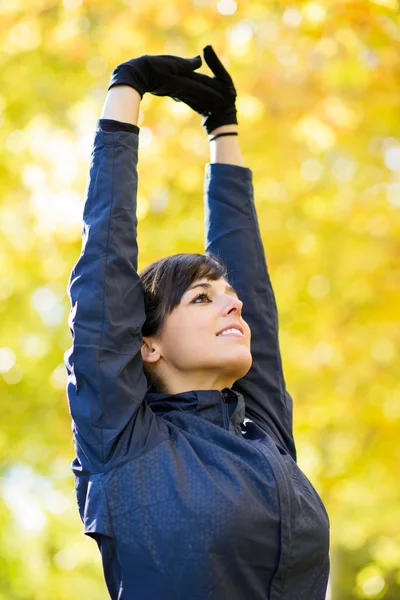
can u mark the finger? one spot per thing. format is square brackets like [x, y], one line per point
[192, 85]
[186, 65]
[211, 82]
[193, 91]
[215, 64]
[195, 62]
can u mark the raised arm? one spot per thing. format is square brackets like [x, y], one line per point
[232, 232]
[106, 383]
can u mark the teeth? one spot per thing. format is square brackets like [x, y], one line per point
[232, 330]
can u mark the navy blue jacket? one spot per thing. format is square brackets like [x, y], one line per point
[195, 495]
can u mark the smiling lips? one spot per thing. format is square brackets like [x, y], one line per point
[234, 328]
[231, 332]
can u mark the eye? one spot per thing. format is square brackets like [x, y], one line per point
[203, 295]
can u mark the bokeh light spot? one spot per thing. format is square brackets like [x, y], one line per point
[393, 193]
[13, 376]
[34, 346]
[292, 17]
[59, 377]
[240, 33]
[10, 6]
[311, 169]
[227, 7]
[7, 359]
[314, 12]
[370, 581]
[71, 4]
[394, 4]
[6, 288]
[16, 141]
[343, 169]
[392, 158]
[318, 286]
[145, 137]
[318, 135]
[66, 559]
[97, 66]
[383, 351]
[286, 55]
[250, 108]
[142, 207]
[307, 244]
[391, 409]
[45, 301]
[23, 36]
[323, 353]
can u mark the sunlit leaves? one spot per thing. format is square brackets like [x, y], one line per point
[319, 116]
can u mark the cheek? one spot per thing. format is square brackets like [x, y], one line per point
[178, 336]
[186, 336]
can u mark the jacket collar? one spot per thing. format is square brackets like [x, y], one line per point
[206, 404]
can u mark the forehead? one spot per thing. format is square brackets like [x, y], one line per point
[207, 284]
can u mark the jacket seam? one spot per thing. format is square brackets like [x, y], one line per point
[282, 569]
[239, 208]
[108, 509]
[104, 294]
[272, 308]
[245, 209]
[116, 139]
[107, 469]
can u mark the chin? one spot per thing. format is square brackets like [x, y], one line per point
[241, 366]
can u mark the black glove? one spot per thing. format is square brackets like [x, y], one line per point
[159, 74]
[195, 93]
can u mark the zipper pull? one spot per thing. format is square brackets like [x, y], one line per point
[227, 393]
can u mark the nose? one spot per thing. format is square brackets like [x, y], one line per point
[233, 305]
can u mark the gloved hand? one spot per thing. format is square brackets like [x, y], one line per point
[195, 93]
[161, 75]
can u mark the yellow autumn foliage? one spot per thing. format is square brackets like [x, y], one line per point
[319, 120]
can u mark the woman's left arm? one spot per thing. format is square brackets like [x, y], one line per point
[232, 232]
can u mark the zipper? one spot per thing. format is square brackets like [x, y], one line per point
[225, 410]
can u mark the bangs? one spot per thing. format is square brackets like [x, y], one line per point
[197, 267]
[166, 280]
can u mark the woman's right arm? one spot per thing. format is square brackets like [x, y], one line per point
[122, 103]
[106, 384]
[232, 232]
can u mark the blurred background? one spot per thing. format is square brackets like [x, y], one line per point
[318, 103]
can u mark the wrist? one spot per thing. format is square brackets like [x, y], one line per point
[122, 104]
[223, 129]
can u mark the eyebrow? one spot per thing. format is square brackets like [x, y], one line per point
[228, 288]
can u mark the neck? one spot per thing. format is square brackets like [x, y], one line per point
[177, 383]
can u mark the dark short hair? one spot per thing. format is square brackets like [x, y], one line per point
[164, 283]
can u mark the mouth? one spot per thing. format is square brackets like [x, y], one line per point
[232, 331]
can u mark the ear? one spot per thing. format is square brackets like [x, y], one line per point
[150, 351]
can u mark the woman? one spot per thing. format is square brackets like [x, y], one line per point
[185, 465]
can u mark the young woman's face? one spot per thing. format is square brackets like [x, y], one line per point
[191, 340]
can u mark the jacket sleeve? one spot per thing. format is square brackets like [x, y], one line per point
[232, 232]
[106, 383]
